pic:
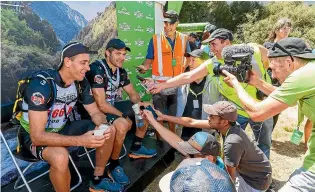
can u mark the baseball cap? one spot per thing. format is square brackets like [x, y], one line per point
[210, 28]
[291, 46]
[117, 44]
[197, 174]
[197, 53]
[194, 35]
[220, 33]
[170, 16]
[72, 49]
[202, 143]
[224, 109]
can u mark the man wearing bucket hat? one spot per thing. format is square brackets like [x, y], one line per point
[293, 64]
[247, 165]
[45, 130]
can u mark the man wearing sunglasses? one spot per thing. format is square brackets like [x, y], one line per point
[293, 64]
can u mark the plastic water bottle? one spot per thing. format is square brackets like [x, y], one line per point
[138, 117]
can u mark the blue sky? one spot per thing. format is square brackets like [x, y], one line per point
[88, 8]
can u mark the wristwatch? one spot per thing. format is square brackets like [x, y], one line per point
[124, 116]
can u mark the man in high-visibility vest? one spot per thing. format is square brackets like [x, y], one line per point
[219, 39]
[166, 55]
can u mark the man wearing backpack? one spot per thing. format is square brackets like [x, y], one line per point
[106, 77]
[45, 131]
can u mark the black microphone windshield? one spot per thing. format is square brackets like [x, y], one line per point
[229, 51]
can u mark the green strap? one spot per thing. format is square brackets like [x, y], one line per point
[196, 95]
[300, 115]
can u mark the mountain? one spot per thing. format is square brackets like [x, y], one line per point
[65, 21]
[100, 30]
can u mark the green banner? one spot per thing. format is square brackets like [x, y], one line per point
[175, 5]
[135, 25]
[191, 27]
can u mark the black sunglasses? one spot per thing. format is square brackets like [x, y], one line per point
[276, 45]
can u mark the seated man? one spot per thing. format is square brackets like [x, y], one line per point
[190, 97]
[247, 165]
[45, 131]
[106, 77]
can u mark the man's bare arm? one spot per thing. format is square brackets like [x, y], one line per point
[232, 172]
[96, 115]
[39, 137]
[187, 77]
[133, 94]
[102, 104]
[145, 65]
[265, 87]
[187, 122]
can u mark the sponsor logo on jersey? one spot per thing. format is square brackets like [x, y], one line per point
[98, 79]
[37, 98]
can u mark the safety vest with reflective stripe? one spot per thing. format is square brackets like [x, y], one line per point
[162, 68]
[230, 93]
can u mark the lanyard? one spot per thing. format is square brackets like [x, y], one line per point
[300, 115]
[196, 95]
[171, 45]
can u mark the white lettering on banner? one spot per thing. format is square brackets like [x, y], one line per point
[126, 42]
[124, 26]
[128, 57]
[150, 30]
[141, 2]
[139, 29]
[139, 42]
[123, 11]
[140, 56]
[149, 17]
[149, 3]
[138, 14]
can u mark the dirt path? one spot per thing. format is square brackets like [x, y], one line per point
[285, 156]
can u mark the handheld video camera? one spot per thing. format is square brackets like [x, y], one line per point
[240, 71]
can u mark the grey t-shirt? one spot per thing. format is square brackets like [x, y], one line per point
[249, 160]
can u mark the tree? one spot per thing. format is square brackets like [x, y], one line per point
[303, 18]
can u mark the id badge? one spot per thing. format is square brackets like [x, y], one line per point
[296, 137]
[173, 62]
[196, 104]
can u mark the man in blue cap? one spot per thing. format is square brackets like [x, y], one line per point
[106, 77]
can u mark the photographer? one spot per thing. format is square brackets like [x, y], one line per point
[293, 65]
[218, 40]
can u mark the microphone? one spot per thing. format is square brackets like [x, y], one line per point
[229, 51]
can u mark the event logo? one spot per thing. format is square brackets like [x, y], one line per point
[98, 79]
[37, 98]
[127, 42]
[149, 3]
[149, 17]
[150, 30]
[138, 29]
[139, 42]
[123, 11]
[138, 14]
[139, 56]
[124, 26]
[141, 2]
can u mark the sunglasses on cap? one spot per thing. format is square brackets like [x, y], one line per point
[276, 45]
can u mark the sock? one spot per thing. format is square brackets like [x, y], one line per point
[97, 179]
[136, 144]
[113, 164]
